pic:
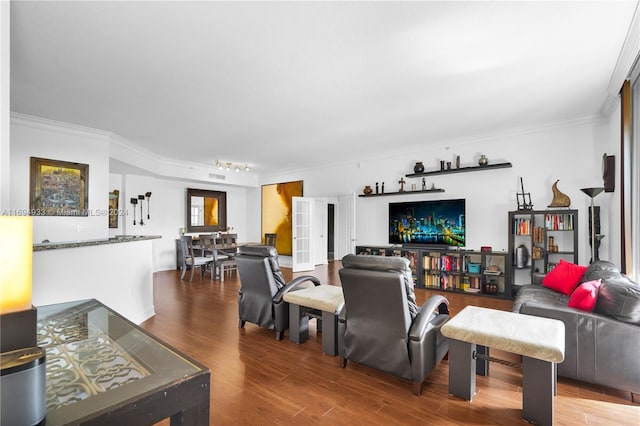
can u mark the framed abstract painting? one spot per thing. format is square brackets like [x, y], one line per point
[276, 212]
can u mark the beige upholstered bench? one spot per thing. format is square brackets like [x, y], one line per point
[322, 302]
[539, 340]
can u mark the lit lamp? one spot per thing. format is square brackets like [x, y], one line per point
[592, 193]
[22, 363]
[17, 317]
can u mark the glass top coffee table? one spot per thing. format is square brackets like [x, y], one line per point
[103, 369]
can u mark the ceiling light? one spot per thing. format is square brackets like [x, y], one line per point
[228, 165]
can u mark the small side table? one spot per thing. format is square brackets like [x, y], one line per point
[539, 340]
[322, 302]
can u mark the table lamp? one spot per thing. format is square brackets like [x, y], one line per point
[17, 317]
[592, 193]
[22, 363]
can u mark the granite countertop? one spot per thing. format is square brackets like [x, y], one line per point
[97, 242]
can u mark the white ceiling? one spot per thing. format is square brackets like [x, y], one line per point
[298, 84]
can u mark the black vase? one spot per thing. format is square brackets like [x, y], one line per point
[419, 167]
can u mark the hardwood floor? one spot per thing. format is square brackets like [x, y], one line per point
[256, 380]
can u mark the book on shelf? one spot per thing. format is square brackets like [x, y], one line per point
[521, 226]
[559, 221]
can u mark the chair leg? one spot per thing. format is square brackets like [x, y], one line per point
[193, 268]
[279, 335]
[416, 388]
[184, 271]
[241, 323]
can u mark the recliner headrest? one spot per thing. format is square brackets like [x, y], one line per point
[261, 251]
[377, 263]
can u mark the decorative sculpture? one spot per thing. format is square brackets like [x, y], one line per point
[559, 199]
[401, 182]
[524, 199]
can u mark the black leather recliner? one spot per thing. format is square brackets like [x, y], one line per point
[262, 287]
[376, 327]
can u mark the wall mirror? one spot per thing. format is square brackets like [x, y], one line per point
[206, 210]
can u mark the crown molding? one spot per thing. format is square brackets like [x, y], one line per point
[629, 54]
[128, 152]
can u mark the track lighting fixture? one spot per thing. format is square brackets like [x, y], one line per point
[228, 166]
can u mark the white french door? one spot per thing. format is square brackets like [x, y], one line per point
[302, 259]
[319, 232]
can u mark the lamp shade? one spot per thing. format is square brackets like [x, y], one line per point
[16, 253]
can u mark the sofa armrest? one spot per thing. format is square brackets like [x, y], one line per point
[598, 349]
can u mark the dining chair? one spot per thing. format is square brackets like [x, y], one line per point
[226, 244]
[190, 260]
[270, 240]
[211, 251]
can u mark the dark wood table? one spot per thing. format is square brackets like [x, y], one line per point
[104, 370]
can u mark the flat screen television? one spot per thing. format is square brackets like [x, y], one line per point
[431, 223]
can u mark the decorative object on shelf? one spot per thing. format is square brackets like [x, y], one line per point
[522, 256]
[424, 184]
[401, 182]
[592, 193]
[462, 169]
[377, 188]
[609, 172]
[448, 165]
[148, 195]
[419, 167]
[457, 161]
[483, 161]
[524, 198]
[383, 187]
[134, 201]
[367, 190]
[560, 199]
[141, 198]
[441, 164]
[413, 187]
[485, 248]
[473, 268]
[491, 287]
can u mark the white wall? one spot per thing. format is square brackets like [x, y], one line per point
[167, 211]
[39, 138]
[571, 153]
[118, 275]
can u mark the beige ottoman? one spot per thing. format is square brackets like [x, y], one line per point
[539, 340]
[322, 302]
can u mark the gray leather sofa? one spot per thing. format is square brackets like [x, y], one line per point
[381, 326]
[603, 346]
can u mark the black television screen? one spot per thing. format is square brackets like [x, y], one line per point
[433, 222]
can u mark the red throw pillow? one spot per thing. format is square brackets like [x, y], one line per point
[585, 295]
[565, 277]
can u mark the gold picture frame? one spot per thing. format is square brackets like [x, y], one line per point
[58, 188]
[277, 208]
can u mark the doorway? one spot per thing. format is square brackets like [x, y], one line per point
[330, 232]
